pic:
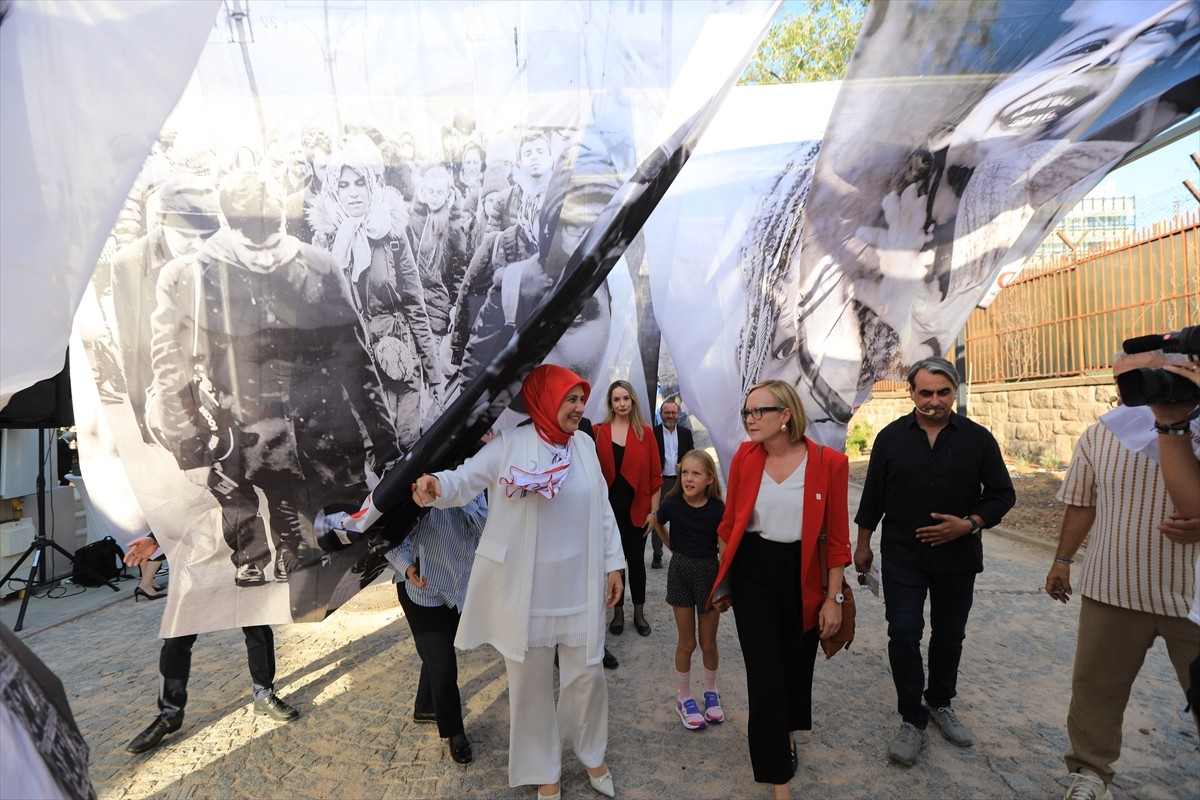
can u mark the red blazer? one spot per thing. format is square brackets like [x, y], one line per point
[641, 467]
[826, 478]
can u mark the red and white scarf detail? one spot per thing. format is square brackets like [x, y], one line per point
[548, 481]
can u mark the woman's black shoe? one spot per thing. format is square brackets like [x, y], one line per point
[617, 626]
[460, 749]
[642, 627]
[139, 592]
[610, 661]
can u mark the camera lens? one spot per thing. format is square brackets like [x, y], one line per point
[1140, 387]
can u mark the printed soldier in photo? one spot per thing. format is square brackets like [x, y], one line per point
[187, 215]
[259, 379]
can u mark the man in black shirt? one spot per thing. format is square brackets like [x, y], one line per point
[937, 480]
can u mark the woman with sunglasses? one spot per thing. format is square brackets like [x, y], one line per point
[770, 571]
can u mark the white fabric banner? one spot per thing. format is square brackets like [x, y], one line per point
[342, 226]
[84, 89]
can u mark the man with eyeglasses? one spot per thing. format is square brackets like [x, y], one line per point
[936, 479]
[674, 442]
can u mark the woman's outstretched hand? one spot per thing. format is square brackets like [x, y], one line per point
[426, 490]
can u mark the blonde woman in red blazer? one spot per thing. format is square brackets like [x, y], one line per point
[631, 464]
[770, 571]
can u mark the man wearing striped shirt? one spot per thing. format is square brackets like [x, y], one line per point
[1136, 583]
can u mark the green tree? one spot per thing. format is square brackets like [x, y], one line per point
[813, 46]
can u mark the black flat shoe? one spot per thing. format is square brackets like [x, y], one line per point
[139, 592]
[274, 707]
[149, 738]
[460, 749]
[610, 661]
[642, 627]
[617, 626]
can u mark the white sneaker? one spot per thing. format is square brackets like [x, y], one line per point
[1086, 785]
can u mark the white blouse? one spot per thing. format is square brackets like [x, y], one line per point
[779, 509]
[559, 602]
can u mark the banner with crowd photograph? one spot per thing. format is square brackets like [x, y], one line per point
[356, 233]
[843, 252]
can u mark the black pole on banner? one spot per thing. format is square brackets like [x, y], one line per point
[37, 548]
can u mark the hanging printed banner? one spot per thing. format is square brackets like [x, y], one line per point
[343, 255]
[961, 133]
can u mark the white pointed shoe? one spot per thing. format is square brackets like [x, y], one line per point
[556, 796]
[603, 784]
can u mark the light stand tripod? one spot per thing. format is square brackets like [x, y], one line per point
[37, 547]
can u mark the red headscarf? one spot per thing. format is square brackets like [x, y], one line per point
[543, 392]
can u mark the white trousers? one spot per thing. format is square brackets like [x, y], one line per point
[536, 728]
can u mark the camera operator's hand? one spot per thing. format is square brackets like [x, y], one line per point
[1058, 582]
[1180, 530]
[1171, 413]
[1190, 371]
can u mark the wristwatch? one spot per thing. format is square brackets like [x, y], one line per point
[838, 598]
[975, 526]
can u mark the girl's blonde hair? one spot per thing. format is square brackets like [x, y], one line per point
[635, 416]
[713, 490]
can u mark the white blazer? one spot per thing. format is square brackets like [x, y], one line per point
[496, 610]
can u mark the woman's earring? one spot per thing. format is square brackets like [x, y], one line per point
[783, 427]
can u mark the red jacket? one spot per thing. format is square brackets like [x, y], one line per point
[641, 467]
[826, 477]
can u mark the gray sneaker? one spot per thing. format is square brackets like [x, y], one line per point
[907, 744]
[952, 728]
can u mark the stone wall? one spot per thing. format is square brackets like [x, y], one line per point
[1035, 419]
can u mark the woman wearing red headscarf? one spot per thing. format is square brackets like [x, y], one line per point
[547, 567]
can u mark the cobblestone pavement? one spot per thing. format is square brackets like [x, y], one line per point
[353, 678]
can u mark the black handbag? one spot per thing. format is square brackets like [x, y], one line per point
[98, 562]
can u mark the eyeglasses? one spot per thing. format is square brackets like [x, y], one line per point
[757, 413]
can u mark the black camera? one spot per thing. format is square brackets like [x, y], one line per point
[1141, 387]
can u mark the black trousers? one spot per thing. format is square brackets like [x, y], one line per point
[433, 629]
[779, 655]
[634, 545]
[175, 667]
[950, 597]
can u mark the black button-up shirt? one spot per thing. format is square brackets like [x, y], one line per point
[907, 480]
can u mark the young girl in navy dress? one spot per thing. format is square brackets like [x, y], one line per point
[694, 508]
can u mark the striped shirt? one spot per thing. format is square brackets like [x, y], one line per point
[1129, 563]
[442, 545]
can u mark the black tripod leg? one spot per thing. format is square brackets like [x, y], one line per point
[28, 552]
[30, 583]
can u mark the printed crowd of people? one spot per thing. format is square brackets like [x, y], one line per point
[287, 325]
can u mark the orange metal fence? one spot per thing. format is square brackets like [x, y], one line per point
[1067, 316]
